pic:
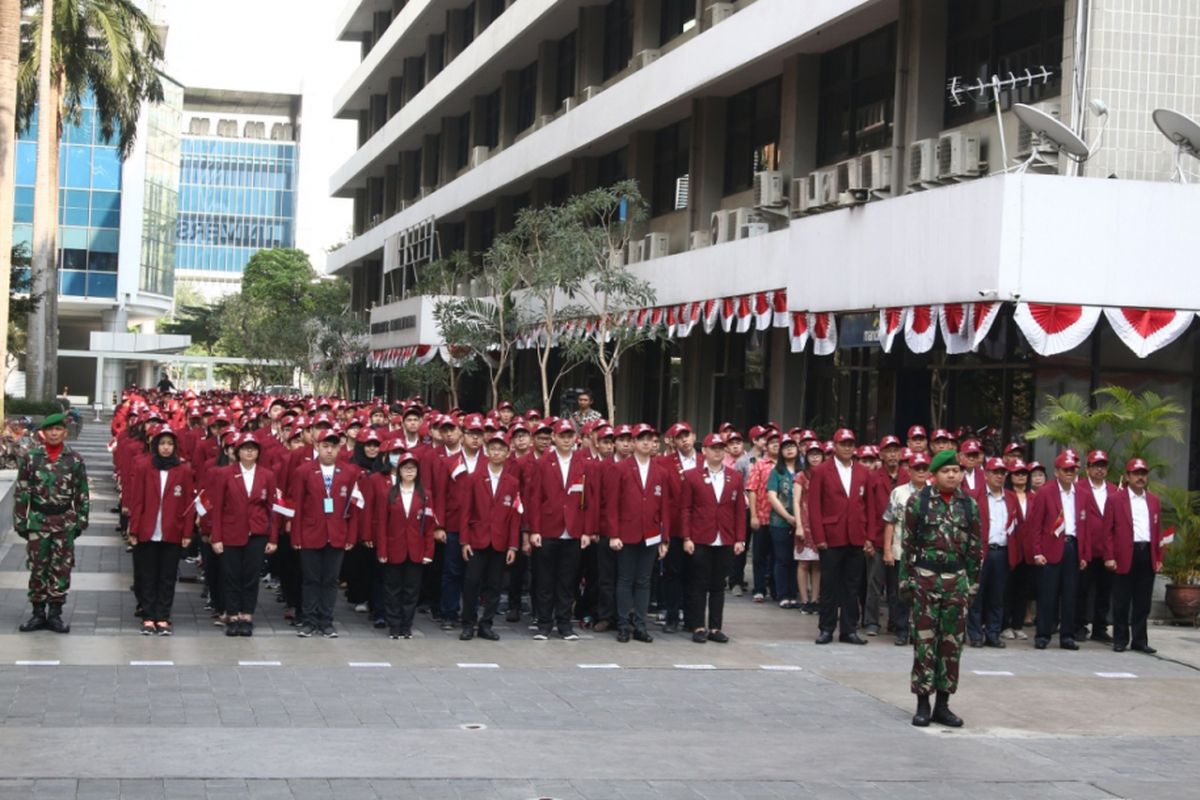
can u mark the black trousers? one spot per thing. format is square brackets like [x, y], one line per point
[516, 580]
[842, 570]
[401, 586]
[1131, 595]
[737, 565]
[356, 572]
[708, 569]
[212, 577]
[1057, 584]
[156, 567]
[431, 582]
[897, 608]
[481, 587]
[586, 577]
[606, 582]
[320, 569]
[675, 582]
[240, 568]
[1094, 597]
[291, 580]
[985, 618]
[635, 562]
[557, 563]
[1020, 590]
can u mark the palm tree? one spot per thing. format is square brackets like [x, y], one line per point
[10, 54]
[111, 50]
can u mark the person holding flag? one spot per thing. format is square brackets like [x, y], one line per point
[1132, 547]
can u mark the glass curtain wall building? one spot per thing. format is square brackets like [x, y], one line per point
[161, 201]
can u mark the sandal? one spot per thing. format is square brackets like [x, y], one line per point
[148, 627]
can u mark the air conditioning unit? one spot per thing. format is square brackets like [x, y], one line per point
[1025, 133]
[922, 163]
[699, 239]
[768, 189]
[821, 191]
[875, 170]
[717, 13]
[589, 92]
[656, 245]
[848, 177]
[569, 103]
[747, 222]
[721, 227]
[645, 58]
[958, 156]
[479, 155]
[633, 252]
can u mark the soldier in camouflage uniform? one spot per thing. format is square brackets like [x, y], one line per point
[938, 574]
[51, 510]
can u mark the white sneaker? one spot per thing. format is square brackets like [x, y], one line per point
[1007, 634]
[361, 608]
[738, 591]
[1020, 635]
[758, 598]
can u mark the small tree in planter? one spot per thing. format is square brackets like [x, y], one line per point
[1181, 558]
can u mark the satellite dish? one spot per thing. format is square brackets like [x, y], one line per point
[1183, 131]
[1052, 132]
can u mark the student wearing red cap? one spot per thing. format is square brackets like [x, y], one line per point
[893, 540]
[759, 505]
[1132, 545]
[998, 513]
[1020, 587]
[1060, 552]
[879, 489]
[1095, 582]
[674, 586]
[491, 536]
[404, 524]
[808, 560]
[452, 490]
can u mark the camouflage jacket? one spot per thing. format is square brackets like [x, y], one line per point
[940, 532]
[41, 484]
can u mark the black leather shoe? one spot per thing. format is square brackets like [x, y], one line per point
[467, 634]
[902, 639]
[622, 636]
[1069, 644]
[234, 628]
[718, 636]
[671, 627]
[643, 636]
[513, 615]
[54, 620]
[942, 713]
[1118, 648]
[1040, 644]
[489, 634]
[1102, 637]
[921, 718]
[976, 643]
[36, 622]
[700, 637]
[1144, 648]
[853, 638]
[824, 637]
[246, 628]
[994, 643]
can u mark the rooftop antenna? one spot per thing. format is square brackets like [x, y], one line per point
[1184, 133]
[960, 92]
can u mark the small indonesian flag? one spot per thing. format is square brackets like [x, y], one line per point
[518, 505]
[459, 470]
[112, 445]
[1060, 525]
[1168, 536]
[1012, 526]
[357, 498]
[282, 506]
[203, 504]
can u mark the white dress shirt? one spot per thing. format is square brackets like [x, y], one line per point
[1068, 505]
[1141, 516]
[406, 496]
[564, 466]
[687, 462]
[162, 492]
[845, 472]
[494, 477]
[997, 516]
[643, 470]
[1101, 494]
[248, 479]
[717, 479]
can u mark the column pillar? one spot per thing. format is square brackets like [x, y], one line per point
[208, 376]
[590, 65]
[547, 53]
[647, 25]
[707, 182]
[98, 389]
[798, 116]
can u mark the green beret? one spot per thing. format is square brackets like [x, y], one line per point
[52, 421]
[943, 458]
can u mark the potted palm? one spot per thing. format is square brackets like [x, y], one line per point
[1181, 558]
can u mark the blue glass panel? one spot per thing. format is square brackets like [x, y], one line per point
[24, 196]
[73, 283]
[84, 131]
[26, 163]
[106, 219]
[76, 166]
[73, 216]
[106, 169]
[101, 284]
[106, 201]
[104, 240]
[73, 259]
[75, 198]
[102, 262]
[23, 235]
[23, 213]
[74, 238]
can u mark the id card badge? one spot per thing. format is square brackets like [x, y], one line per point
[328, 505]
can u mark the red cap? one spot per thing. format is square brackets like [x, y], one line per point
[505, 405]
[672, 431]
[245, 439]
[971, 447]
[814, 445]
[518, 427]
[368, 435]
[1066, 459]
[407, 457]
[683, 428]
[714, 440]
[725, 427]
[497, 436]
[918, 459]
[1019, 466]
[295, 433]
[1097, 457]
[330, 435]
[447, 421]
[942, 433]
[1036, 465]
[861, 451]
[995, 465]
[473, 422]
[756, 431]
[624, 430]
[844, 435]
[392, 445]
[807, 435]
[733, 436]
[772, 433]
[642, 429]
[605, 432]
[916, 432]
[1137, 465]
[532, 414]
[564, 426]
[321, 419]
[827, 447]
[544, 425]
[1014, 447]
[220, 416]
[889, 441]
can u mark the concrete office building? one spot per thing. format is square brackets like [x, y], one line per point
[809, 155]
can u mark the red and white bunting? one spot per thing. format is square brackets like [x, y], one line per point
[728, 313]
[763, 312]
[712, 310]
[955, 322]
[982, 317]
[1145, 330]
[920, 328]
[743, 315]
[779, 308]
[824, 333]
[798, 331]
[689, 316]
[891, 321]
[1052, 329]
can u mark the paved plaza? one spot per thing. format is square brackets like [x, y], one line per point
[106, 713]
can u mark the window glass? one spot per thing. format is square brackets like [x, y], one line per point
[672, 147]
[857, 89]
[526, 96]
[618, 36]
[751, 135]
[106, 169]
[677, 17]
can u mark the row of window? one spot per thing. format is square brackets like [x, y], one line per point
[217, 259]
[253, 174]
[250, 202]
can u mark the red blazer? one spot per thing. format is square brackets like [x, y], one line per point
[879, 493]
[144, 496]
[607, 470]
[673, 464]
[1118, 530]
[401, 537]
[1094, 520]
[836, 519]
[451, 488]
[1012, 513]
[237, 516]
[491, 521]
[635, 512]
[980, 478]
[1044, 519]
[1023, 549]
[704, 517]
[553, 508]
[312, 528]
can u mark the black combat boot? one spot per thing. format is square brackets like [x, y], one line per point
[942, 713]
[921, 718]
[35, 623]
[54, 620]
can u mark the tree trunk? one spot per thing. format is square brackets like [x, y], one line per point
[52, 288]
[543, 364]
[453, 382]
[45, 210]
[610, 395]
[10, 46]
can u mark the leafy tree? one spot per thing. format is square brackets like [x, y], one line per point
[109, 50]
[201, 322]
[10, 59]
[337, 336]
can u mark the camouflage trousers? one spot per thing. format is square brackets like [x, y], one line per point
[939, 625]
[50, 555]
